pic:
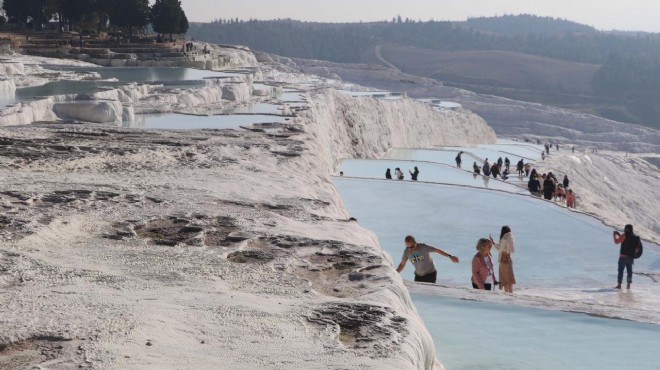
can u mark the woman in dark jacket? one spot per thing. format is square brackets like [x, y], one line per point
[548, 187]
[566, 182]
[388, 174]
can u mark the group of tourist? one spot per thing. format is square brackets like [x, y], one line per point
[483, 269]
[548, 187]
[501, 168]
[414, 174]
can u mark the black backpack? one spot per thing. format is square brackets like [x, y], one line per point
[639, 250]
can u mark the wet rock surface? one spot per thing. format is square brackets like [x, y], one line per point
[362, 326]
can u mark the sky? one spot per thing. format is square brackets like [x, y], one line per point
[627, 15]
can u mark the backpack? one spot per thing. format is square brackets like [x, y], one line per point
[640, 248]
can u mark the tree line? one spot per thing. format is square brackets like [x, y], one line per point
[91, 16]
[348, 42]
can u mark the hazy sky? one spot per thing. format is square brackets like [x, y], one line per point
[635, 15]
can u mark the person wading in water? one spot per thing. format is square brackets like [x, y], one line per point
[419, 255]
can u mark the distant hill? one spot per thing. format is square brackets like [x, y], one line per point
[620, 90]
[526, 24]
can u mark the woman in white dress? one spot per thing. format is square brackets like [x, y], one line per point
[506, 248]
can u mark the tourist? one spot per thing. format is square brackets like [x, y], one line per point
[414, 175]
[534, 186]
[486, 168]
[573, 149]
[341, 173]
[548, 187]
[547, 149]
[560, 193]
[483, 271]
[528, 168]
[505, 174]
[507, 164]
[388, 174]
[570, 199]
[543, 156]
[459, 160]
[506, 247]
[419, 255]
[520, 167]
[476, 169]
[398, 173]
[495, 170]
[566, 182]
[631, 245]
[557, 146]
[500, 162]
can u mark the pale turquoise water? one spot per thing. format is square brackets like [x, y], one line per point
[184, 122]
[555, 247]
[476, 335]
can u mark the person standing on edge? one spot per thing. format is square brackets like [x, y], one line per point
[486, 168]
[459, 159]
[520, 167]
[483, 271]
[507, 164]
[631, 246]
[566, 182]
[506, 247]
[528, 169]
[570, 199]
[388, 174]
[500, 162]
[534, 186]
[414, 175]
[548, 187]
[419, 255]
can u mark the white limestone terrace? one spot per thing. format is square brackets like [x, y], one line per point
[125, 248]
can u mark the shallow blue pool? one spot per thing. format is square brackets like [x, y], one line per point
[476, 335]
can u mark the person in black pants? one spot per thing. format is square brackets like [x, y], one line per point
[419, 255]
[631, 246]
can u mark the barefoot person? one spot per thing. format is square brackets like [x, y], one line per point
[631, 245]
[419, 255]
[505, 248]
[483, 271]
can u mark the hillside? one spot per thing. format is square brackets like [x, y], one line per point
[493, 68]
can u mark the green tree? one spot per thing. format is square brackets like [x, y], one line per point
[129, 14]
[167, 17]
[38, 12]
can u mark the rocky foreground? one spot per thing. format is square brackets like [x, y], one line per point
[129, 249]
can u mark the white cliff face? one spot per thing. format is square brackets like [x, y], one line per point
[367, 128]
[96, 111]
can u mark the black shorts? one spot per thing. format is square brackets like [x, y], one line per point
[428, 278]
[486, 286]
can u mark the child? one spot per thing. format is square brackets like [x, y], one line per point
[570, 199]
